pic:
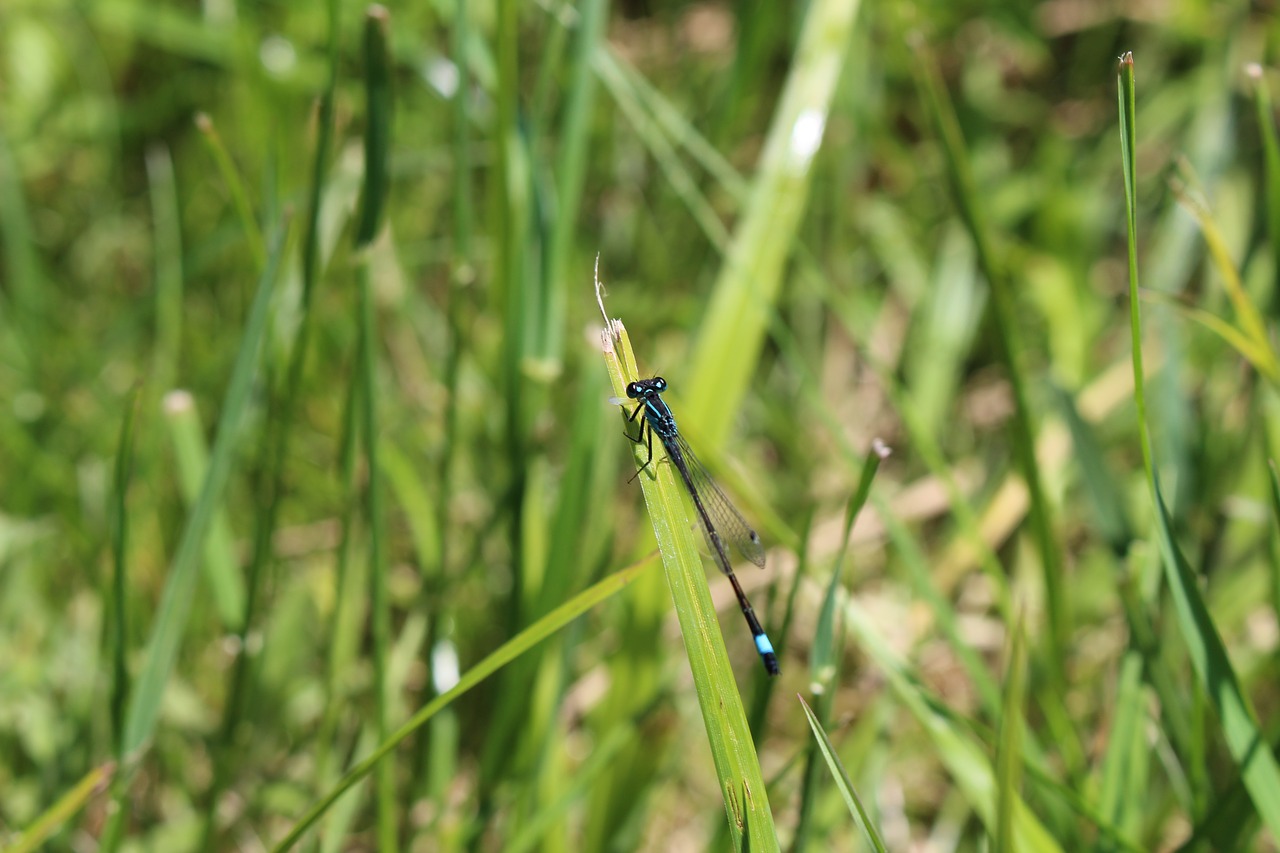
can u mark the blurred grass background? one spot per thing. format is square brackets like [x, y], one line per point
[304, 416]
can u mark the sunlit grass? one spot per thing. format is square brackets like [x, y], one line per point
[316, 527]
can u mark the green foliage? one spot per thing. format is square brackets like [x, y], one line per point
[316, 528]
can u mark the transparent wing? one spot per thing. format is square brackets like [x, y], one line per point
[729, 523]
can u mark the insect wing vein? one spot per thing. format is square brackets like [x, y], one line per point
[729, 523]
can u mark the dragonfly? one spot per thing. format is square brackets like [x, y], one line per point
[720, 521]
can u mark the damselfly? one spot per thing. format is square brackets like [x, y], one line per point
[719, 520]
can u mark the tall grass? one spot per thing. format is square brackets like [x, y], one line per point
[316, 529]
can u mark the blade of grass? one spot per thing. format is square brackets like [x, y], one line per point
[671, 121]
[828, 645]
[179, 591]
[377, 141]
[231, 177]
[116, 641]
[841, 777]
[1260, 357]
[965, 759]
[275, 451]
[571, 168]
[1110, 516]
[735, 323]
[504, 654]
[679, 178]
[1208, 655]
[166, 225]
[1009, 343]
[1009, 745]
[40, 830]
[377, 138]
[1248, 315]
[737, 765]
[221, 566]
[1273, 480]
[1271, 163]
[1126, 768]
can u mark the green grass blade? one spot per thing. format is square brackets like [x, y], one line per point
[1218, 678]
[828, 637]
[841, 777]
[1111, 517]
[377, 141]
[1273, 480]
[1009, 343]
[675, 125]
[737, 765]
[63, 810]
[179, 591]
[377, 137]
[231, 177]
[175, 605]
[828, 646]
[737, 317]
[1259, 355]
[1271, 163]
[221, 566]
[680, 180]
[955, 747]
[1252, 326]
[571, 168]
[1009, 746]
[507, 652]
[168, 260]
[117, 639]
[1126, 769]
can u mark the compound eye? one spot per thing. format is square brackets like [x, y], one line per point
[633, 390]
[659, 384]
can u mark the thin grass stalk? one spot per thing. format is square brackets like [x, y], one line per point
[678, 176]
[1010, 346]
[179, 591]
[1216, 676]
[1271, 170]
[1009, 758]
[958, 744]
[167, 231]
[118, 692]
[373, 196]
[433, 763]
[191, 461]
[824, 660]
[520, 300]
[571, 170]
[348, 609]
[276, 443]
[60, 813]
[518, 645]
[235, 185]
[844, 784]
[380, 615]
[674, 124]
[734, 325]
